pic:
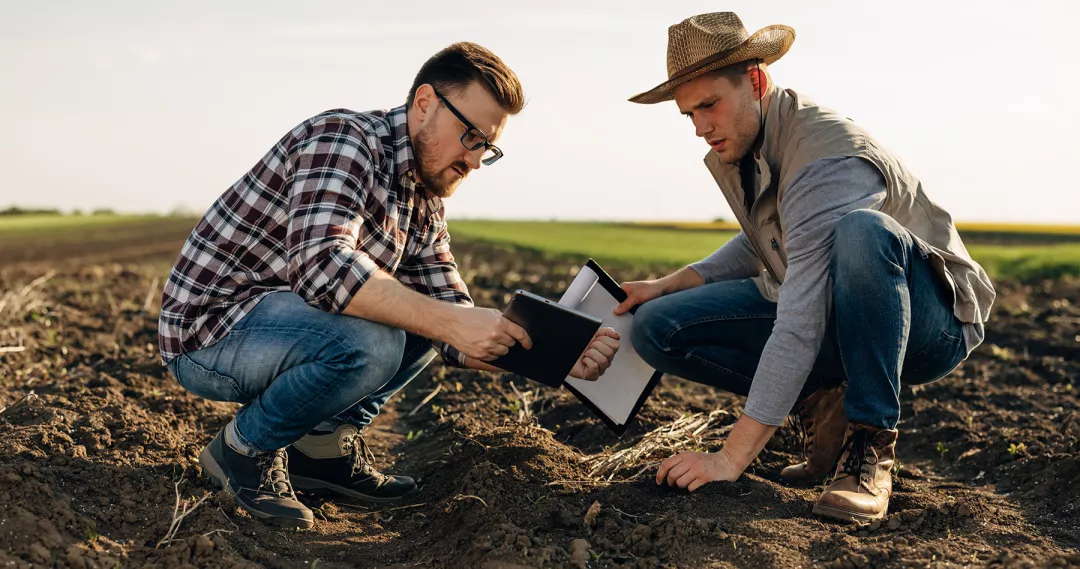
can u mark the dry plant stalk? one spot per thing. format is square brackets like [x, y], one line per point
[429, 397]
[28, 397]
[666, 439]
[17, 303]
[526, 398]
[179, 515]
[150, 296]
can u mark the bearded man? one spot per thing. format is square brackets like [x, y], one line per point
[318, 285]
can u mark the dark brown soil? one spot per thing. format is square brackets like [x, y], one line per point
[91, 462]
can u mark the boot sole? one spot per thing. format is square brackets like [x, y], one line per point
[213, 470]
[844, 515]
[320, 487]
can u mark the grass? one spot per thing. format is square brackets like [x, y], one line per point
[1026, 262]
[50, 237]
[677, 244]
[44, 223]
[67, 228]
[1019, 228]
[1012, 254]
[606, 242]
[966, 228]
[88, 231]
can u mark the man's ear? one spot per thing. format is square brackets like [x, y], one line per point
[424, 101]
[759, 81]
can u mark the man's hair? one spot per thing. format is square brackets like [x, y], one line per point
[453, 68]
[736, 72]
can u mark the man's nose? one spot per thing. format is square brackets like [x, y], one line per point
[472, 157]
[702, 127]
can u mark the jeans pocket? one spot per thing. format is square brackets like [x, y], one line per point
[206, 383]
[934, 361]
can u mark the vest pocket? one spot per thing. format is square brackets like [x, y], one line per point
[779, 250]
[774, 239]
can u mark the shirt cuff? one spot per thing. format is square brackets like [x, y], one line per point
[702, 269]
[450, 355]
[360, 268]
[764, 419]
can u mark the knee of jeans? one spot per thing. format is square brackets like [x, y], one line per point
[375, 351]
[863, 237]
[650, 328]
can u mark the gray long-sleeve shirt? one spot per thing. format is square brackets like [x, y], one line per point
[810, 210]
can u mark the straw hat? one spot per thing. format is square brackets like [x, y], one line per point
[707, 42]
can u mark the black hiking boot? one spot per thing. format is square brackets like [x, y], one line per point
[259, 484]
[341, 463]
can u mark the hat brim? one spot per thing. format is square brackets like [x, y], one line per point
[767, 44]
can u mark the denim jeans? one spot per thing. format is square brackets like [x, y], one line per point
[892, 319]
[293, 366]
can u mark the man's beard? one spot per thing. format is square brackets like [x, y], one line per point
[432, 180]
[747, 124]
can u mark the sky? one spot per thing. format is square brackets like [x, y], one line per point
[148, 106]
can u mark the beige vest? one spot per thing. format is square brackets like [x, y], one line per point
[798, 132]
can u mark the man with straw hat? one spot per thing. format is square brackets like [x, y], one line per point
[845, 278]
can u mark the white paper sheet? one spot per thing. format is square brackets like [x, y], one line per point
[618, 390]
[581, 285]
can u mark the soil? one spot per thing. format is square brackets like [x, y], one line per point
[98, 443]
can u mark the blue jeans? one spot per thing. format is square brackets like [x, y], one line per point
[892, 318]
[293, 366]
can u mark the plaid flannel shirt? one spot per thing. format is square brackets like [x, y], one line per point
[332, 202]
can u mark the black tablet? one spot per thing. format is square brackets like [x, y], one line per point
[559, 336]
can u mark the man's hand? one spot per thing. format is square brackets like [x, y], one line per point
[483, 333]
[595, 360]
[692, 469]
[638, 292]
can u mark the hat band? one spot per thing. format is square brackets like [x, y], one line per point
[697, 65]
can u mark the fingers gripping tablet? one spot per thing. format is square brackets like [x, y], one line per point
[559, 336]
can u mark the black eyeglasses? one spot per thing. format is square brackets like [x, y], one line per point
[474, 138]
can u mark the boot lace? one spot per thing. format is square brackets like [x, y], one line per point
[802, 422]
[363, 459]
[855, 458]
[804, 432]
[275, 474]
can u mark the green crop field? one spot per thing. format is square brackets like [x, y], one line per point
[672, 244]
[46, 223]
[606, 242]
[1030, 253]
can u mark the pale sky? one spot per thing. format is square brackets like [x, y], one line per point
[144, 106]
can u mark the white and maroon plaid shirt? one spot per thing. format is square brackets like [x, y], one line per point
[332, 202]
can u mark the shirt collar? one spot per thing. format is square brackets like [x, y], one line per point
[405, 160]
[770, 145]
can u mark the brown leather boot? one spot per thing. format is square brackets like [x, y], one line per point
[823, 424]
[861, 487]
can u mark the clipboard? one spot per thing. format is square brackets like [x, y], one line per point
[625, 386]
